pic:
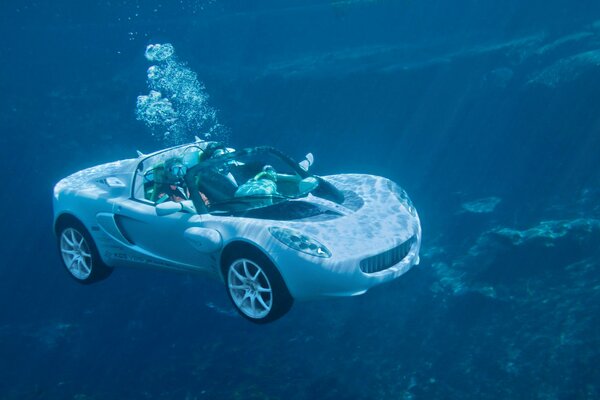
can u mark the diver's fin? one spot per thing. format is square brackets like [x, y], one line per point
[306, 163]
[310, 158]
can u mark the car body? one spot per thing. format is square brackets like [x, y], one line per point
[303, 236]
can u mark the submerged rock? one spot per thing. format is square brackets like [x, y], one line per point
[481, 206]
[506, 255]
[567, 69]
[548, 232]
[506, 262]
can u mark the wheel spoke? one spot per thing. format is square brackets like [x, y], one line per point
[73, 240]
[253, 303]
[68, 241]
[246, 270]
[261, 289]
[238, 287]
[239, 276]
[70, 252]
[256, 274]
[83, 267]
[262, 302]
[246, 296]
[78, 265]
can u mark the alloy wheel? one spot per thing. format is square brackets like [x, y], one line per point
[250, 288]
[76, 253]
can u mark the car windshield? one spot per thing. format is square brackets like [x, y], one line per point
[159, 177]
[247, 179]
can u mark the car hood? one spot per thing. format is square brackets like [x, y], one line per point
[374, 220]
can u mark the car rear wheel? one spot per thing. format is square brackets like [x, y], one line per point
[80, 255]
[256, 288]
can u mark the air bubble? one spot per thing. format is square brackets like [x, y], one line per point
[177, 102]
[155, 110]
[153, 72]
[159, 52]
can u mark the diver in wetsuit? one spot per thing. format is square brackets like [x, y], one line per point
[170, 182]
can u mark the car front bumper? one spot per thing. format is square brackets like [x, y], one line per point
[310, 277]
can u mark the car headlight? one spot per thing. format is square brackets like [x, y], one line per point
[300, 242]
[402, 197]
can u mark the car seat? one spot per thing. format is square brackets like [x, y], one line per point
[216, 186]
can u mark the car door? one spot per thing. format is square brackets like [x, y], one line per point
[175, 240]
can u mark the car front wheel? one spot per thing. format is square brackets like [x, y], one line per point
[80, 255]
[256, 288]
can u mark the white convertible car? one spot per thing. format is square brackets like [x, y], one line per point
[254, 218]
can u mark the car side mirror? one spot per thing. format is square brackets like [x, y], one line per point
[307, 162]
[167, 208]
[188, 206]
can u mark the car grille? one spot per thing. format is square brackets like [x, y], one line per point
[387, 259]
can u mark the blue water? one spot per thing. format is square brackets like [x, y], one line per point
[486, 113]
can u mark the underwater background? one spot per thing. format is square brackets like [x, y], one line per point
[487, 113]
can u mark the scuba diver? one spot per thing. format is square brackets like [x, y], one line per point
[173, 186]
[215, 183]
[213, 149]
[170, 182]
[264, 183]
[167, 180]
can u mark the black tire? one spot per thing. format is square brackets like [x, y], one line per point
[280, 299]
[70, 233]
